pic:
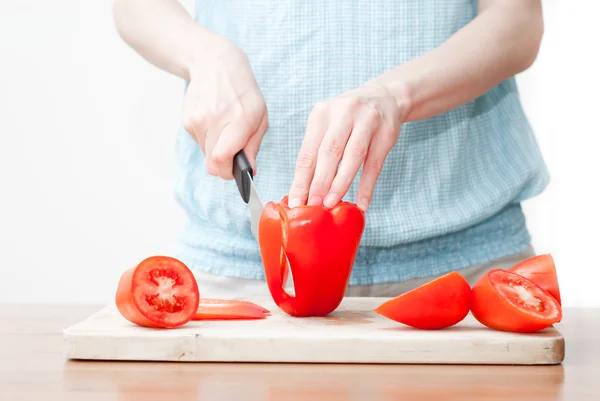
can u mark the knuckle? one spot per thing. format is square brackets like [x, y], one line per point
[372, 114]
[319, 108]
[359, 151]
[220, 157]
[256, 114]
[375, 165]
[237, 113]
[193, 122]
[305, 160]
[299, 188]
[333, 147]
[353, 102]
[389, 135]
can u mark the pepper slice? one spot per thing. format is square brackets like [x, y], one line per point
[321, 246]
[229, 309]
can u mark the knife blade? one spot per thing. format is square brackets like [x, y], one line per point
[242, 172]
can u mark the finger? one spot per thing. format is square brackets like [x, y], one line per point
[307, 156]
[354, 156]
[232, 138]
[196, 126]
[212, 135]
[253, 145]
[382, 143]
[329, 156]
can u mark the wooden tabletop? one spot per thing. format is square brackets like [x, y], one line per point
[32, 367]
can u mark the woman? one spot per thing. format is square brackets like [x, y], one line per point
[415, 100]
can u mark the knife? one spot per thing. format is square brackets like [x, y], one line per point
[242, 172]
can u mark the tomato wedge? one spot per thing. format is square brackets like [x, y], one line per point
[440, 303]
[229, 309]
[159, 292]
[503, 300]
[542, 271]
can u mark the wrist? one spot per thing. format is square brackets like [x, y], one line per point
[399, 91]
[211, 49]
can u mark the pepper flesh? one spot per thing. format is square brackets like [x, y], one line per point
[321, 245]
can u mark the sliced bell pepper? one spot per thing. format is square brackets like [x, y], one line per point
[321, 246]
[229, 309]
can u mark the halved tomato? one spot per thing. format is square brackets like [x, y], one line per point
[159, 292]
[229, 309]
[506, 301]
[440, 303]
[542, 271]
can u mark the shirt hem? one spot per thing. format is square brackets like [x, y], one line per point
[504, 235]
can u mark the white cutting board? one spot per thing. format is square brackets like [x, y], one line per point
[351, 334]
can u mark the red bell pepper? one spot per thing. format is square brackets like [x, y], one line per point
[321, 245]
[229, 309]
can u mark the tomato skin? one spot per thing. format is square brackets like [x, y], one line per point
[124, 301]
[542, 271]
[160, 292]
[438, 304]
[321, 245]
[496, 303]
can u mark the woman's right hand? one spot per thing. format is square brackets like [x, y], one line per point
[224, 110]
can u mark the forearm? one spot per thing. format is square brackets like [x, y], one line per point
[164, 33]
[500, 42]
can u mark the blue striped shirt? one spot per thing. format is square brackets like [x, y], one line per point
[450, 190]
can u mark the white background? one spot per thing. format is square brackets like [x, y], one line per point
[86, 151]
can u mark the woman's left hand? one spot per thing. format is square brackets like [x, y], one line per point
[357, 127]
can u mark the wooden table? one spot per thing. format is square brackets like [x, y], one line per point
[32, 367]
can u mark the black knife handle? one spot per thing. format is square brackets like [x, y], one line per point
[241, 169]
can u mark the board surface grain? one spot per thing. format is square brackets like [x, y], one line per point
[351, 334]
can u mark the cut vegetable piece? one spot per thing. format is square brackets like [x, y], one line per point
[440, 303]
[225, 309]
[503, 300]
[321, 245]
[159, 292]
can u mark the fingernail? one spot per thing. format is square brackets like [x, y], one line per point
[330, 201]
[315, 200]
[294, 202]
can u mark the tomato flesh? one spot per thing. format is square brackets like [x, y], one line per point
[503, 300]
[440, 303]
[159, 292]
[542, 271]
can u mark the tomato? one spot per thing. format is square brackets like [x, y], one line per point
[229, 309]
[542, 271]
[159, 292]
[503, 300]
[440, 303]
